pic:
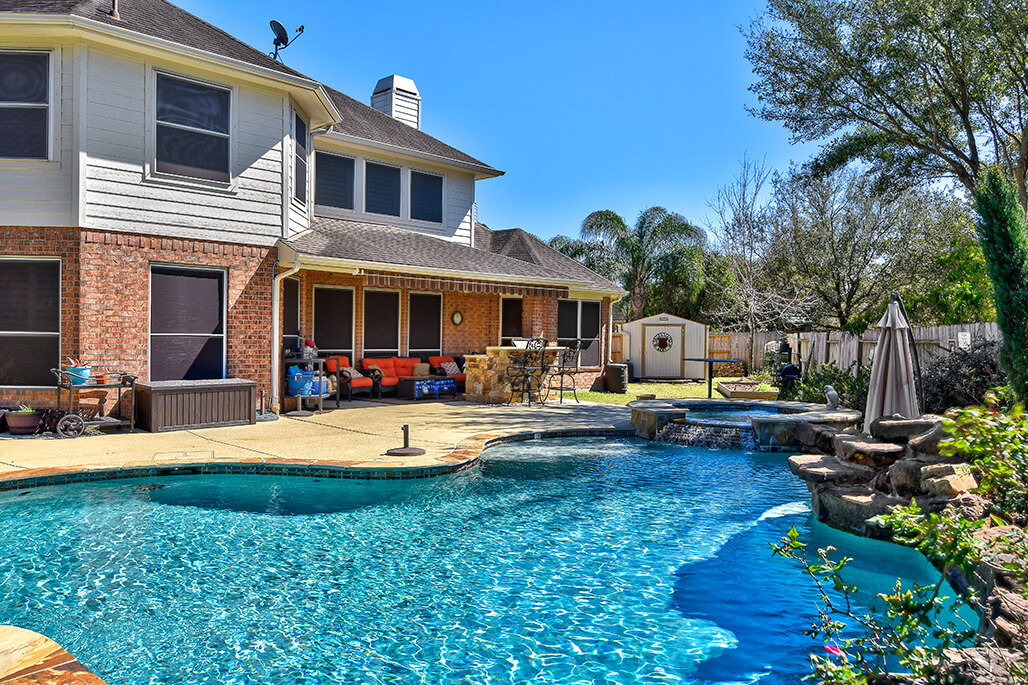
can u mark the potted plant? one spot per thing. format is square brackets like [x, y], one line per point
[24, 420]
[77, 371]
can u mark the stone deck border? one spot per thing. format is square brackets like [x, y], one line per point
[465, 455]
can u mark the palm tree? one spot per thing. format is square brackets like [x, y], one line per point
[632, 256]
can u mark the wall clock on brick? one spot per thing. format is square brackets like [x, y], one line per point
[457, 318]
[662, 342]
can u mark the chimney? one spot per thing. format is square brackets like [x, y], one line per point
[398, 97]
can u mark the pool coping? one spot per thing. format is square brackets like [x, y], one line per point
[25, 654]
[464, 455]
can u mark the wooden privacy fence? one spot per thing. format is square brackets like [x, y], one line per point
[813, 348]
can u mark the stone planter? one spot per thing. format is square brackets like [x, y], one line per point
[745, 391]
[23, 422]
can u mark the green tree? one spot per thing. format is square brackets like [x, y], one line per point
[632, 256]
[961, 291]
[690, 286]
[918, 89]
[850, 245]
[1004, 239]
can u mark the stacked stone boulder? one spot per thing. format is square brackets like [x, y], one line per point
[854, 477]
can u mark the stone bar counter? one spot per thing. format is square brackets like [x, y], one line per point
[486, 380]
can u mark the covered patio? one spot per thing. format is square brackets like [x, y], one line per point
[370, 291]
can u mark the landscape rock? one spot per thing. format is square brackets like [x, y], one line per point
[947, 479]
[816, 436]
[899, 429]
[825, 468]
[866, 451]
[972, 507]
[850, 508]
[928, 443]
[984, 665]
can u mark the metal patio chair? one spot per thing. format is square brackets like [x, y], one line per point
[527, 372]
[561, 378]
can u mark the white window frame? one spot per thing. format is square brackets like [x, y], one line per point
[60, 318]
[499, 336]
[50, 125]
[410, 200]
[310, 153]
[353, 319]
[578, 328]
[399, 319]
[364, 195]
[150, 171]
[407, 337]
[224, 312]
[329, 209]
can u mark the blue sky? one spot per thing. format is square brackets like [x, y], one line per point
[585, 105]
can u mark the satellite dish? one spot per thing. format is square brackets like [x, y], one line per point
[282, 37]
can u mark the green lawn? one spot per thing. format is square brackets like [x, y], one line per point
[661, 390]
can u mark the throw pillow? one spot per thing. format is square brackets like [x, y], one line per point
[350, 372]
[451, 368]
[422, 369]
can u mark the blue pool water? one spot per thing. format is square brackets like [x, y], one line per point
[731, 414]
[605, 560]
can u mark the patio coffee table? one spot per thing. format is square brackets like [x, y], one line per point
[420, 387]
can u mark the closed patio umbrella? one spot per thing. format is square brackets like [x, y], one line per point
[891, 389]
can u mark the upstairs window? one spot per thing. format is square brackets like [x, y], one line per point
[300, 159]
[426, 197]
[192, 129]
[24, 105]
[381, 189]
[333, 181]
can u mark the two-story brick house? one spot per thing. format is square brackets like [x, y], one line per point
[177, 204]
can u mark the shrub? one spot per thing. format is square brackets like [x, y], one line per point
[961, 379]
[1004, 238]
[851, 384]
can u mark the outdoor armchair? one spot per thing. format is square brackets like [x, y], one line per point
[346, 379]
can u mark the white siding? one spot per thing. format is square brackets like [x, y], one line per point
[121, 196]
[39, 193]
[458, 194]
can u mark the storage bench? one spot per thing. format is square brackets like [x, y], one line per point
[181, 405]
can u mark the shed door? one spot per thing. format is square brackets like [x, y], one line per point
[662, 351]
[694, 344]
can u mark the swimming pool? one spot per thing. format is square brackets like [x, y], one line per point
[606, 560]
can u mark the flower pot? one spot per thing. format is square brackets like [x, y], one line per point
[78, 374]
[23, 422]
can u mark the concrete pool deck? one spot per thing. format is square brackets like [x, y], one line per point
[348, 442]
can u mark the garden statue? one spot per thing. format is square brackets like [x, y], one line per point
[833, 398]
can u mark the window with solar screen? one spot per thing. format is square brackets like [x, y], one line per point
[24, 105]
[193, 123]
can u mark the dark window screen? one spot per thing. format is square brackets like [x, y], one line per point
[30, 312]
[567, 319]
[426, 197]
[192, 129]
[333, 181]
[510, 320]
[381, 189]
[425, 323]
[300, 161]
[187, 323]
[290, 315]
[333, 319]
[590, 320]
[381, 321]
[24, 96]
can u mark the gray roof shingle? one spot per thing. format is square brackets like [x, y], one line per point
[362, 121]
[519, 244]
[390, 245]
[159, 19]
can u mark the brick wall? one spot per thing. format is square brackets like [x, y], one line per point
[105, 297]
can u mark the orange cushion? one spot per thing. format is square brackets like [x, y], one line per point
[362, 382]
[437, 362]
[389, 381]
[385, 363]
[404, 365]
[459, 377]
[333, 363]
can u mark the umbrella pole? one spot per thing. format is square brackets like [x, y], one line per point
[913, 347]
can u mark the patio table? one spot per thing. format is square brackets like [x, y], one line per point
[710, 369]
